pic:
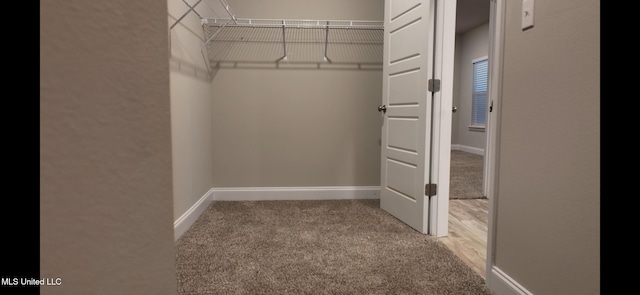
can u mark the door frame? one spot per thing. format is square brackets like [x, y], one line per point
[496, 59]
[444, 56]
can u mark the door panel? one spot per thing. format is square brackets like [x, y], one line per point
[407, 66]
[404, 83]
[400, 7]
[402, 134]
[403, 186]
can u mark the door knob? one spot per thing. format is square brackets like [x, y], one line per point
[455, 109]
[382, 108]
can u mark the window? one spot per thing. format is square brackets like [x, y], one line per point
[479, 94]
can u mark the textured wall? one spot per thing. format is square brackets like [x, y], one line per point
[191, 111]
[289, 128]
[310, 9]
[298, 127]
[548, 215]
[105, 154]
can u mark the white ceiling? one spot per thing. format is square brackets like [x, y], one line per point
[471, 13]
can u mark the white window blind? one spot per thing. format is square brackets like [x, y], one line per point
[479, 96]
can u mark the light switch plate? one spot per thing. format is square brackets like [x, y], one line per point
[527, 14]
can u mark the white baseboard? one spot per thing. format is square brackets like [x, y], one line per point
[501, 284]
[468, 149]
[295, 193]
[184, 222]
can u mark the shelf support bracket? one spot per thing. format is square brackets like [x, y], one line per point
[228, 9]
[326, 43]
[284, 43]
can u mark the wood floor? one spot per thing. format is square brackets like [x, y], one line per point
[468, 232]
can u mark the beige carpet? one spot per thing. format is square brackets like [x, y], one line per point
[315, 247]
[466, 179]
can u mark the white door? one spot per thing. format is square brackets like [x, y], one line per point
[406, 103]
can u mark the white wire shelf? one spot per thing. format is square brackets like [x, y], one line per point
[295, 41]
[242, 40]
[293, 23]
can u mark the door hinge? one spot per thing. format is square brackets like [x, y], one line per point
[434, 85]
[430, 189]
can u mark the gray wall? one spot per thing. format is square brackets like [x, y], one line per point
[105, 153]
[191, 111]
[298, 127]
[548, 214]
[469, 46]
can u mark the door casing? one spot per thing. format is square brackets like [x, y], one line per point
[443, 103]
